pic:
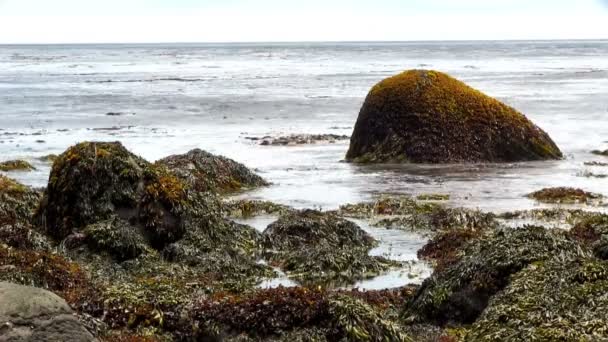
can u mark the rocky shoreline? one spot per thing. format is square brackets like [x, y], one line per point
[116, 248]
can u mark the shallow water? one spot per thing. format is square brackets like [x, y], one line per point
[173, 98]
[178, 97]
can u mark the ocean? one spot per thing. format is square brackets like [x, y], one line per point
[171, 98]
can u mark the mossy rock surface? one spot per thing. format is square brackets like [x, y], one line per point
[422, 116]
[203, 171]
[460, 292]
[94, 181]
[321, 248]
[564, 195]
[554, 300]
[16, 165]
[17, 202]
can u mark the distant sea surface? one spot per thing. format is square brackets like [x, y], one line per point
[168, 99]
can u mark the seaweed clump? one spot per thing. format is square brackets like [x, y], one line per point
[423, 116]
[16, 165]
[205, 172]
[460, 292]
[564, 195]
[312, 247]
[553, 300]
[94, 181]
[277, 314]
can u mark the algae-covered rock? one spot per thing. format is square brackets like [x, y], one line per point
[17, 202]
[422, 116]
[117, 237]
[16, 165]
[269, 315]
[203, 171]
[312, 246]
[32, 314]
[460, 292]
[553, 300]
[564, 195]
[94, 181]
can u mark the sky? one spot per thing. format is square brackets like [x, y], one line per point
[150, 21]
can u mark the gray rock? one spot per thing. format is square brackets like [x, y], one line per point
[32, 314]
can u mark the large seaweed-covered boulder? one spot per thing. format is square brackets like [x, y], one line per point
[461, 291]
[313, 247]
[422, 116]
[554, 300]
[204, 171]
[94, 181]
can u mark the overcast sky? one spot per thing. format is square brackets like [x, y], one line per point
[93, 21]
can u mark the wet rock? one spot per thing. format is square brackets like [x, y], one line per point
[460, 292]
[299, 139]
[49, 158]
[203, 171]
[94, 181]
[313, 247]
[31, 314]
[16, 165]
[17, 202]
[600, 153]
[553, 300]
[424, 116]
[564, 195]
[116, 237]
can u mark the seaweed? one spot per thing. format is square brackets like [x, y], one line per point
[564, 195]
[16, 165]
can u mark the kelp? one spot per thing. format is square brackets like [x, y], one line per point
[564, 195]
[552, 300]
[315, 247]
[460, 292]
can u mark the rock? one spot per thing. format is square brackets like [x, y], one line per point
[423, 116]
[299, 139]
[460, 292]
[315, 247]
[49, 158]
[553, 300]
[600, 153]
[203, 171]
[32, 314]
[564, 195]
[16, 165]
[117, 237]
[17, 202]
[95, 181]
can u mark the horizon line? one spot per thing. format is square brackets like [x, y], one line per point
[310, 42]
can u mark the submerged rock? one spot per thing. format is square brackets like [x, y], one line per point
[32, 314]
[553, 300]
[564, 195]
[423, 116]
[203, 171]
[460, 292]
[16, 165]
[299, 139]
[312, 246]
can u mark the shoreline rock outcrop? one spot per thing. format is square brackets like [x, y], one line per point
[422, 116]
